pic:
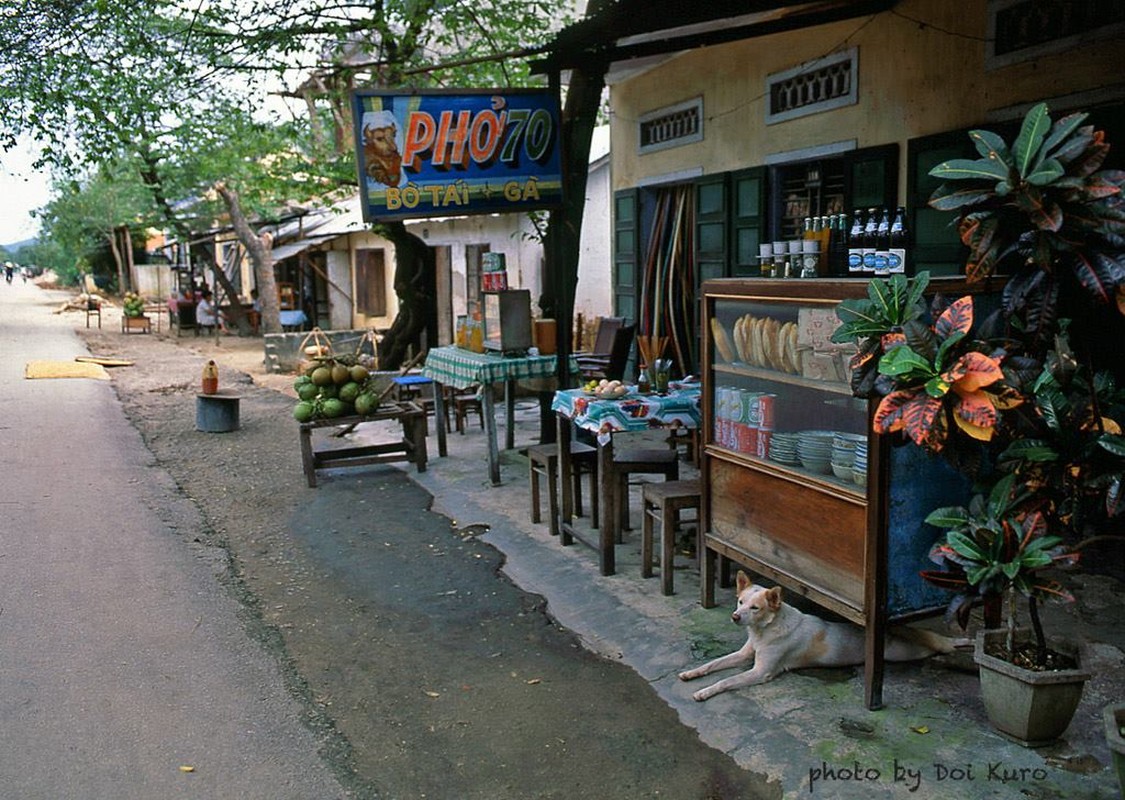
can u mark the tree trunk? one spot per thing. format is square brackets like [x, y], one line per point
[121, 287]
[563, 240]
[414, 285]
[260, 249]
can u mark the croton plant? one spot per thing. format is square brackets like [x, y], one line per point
[1036, 423]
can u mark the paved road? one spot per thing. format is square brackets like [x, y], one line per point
[122, 658]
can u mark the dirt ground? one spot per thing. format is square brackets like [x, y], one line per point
[425, 671]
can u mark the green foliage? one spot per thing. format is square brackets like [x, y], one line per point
[179, 92]
[1042, 208]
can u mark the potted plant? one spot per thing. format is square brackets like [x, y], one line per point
[991, 549]
[1034, 422]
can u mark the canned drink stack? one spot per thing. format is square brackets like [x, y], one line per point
[765, 423]
[749, 418]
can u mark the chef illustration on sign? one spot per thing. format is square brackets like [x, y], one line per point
[381, 147]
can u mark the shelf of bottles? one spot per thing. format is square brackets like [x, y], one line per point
[877, 242]
[814, 190]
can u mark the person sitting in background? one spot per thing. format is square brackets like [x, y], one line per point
[205, 315]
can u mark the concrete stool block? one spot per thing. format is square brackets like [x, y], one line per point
[663, 502]
[217, 413]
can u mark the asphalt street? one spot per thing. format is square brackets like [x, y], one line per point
[125, 669]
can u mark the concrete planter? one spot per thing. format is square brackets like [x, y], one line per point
[1031, 708]
[1114, 715]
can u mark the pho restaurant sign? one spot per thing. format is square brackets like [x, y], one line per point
[424, 154]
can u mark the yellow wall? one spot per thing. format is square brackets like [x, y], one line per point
[913, 81]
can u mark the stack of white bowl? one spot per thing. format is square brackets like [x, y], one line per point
[843, 453]
[859, 465]
[814, 448]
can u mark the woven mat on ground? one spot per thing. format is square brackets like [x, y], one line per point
[64, 369]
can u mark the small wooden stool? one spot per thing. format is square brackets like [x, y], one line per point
[663, 461]
[465, 403]
[664, 502]
[544, 462]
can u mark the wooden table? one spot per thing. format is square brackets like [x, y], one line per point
[574, 407]
[461, 368]
[411, 448]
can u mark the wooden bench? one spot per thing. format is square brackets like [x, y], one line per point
[411, 448]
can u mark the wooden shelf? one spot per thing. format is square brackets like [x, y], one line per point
[747, 371]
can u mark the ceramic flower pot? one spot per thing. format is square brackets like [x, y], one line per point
[1031, 708]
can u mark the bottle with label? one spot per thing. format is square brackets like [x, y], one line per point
[826, 237]
[838, 250]
[869, 234]
[897, 259]
[883, 245]
[855, 245]
[807, 232]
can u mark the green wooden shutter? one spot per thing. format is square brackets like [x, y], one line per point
[626, 256]
[934, 243]
[748, 220]
[711, 242]
[871, 178]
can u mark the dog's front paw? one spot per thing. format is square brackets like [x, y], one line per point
[702, 694]
[690, 674]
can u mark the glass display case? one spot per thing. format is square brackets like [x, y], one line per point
[795, 487]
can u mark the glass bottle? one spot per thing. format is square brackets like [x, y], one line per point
[869, 234]
[883, 245]
[855, 245]
[897, 260]
[644, 385]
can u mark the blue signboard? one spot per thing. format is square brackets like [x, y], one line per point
[452, 153]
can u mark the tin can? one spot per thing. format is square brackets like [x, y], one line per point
[750, 416]
[766, 409]
[763, 443]
[726, 400]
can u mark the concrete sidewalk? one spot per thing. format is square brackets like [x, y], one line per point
[809, 731]
[126, 669]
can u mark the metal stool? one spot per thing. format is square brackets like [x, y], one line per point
[664, 502]
[662, 461]
[544, 462]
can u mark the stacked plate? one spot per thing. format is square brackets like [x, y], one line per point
[814, 448]
[859, 465]
[783, 448]
[843, 453]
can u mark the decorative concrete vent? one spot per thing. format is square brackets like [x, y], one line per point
[672, 126]
[821, 85]
[1022, 30]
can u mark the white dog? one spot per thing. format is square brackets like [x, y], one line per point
[780, 638]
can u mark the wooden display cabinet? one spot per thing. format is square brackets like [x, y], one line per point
[779, 421]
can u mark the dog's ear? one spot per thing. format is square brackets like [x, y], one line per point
[742, 582]
[773, 597]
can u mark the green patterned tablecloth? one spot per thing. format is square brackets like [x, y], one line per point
[460, 368]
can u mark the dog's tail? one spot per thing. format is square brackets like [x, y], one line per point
[931, 640]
